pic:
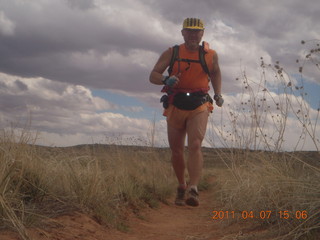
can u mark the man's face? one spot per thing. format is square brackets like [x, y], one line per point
[192, 37]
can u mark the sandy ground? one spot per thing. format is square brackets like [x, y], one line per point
[168, 222]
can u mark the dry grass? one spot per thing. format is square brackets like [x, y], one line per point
[263, 182]
[106, 182]
[268, 179]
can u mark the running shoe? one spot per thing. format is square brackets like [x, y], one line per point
[180, 199]
[193, 198]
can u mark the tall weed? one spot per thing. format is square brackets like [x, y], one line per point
[269, 179]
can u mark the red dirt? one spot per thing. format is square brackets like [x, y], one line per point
[168, 222]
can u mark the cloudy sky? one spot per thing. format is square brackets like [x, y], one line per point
[78, 69]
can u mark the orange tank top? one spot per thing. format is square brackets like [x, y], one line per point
[193, 76]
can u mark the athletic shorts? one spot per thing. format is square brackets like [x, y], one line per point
[178, 118]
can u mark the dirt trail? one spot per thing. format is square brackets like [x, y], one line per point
[175, 222]
[168, 222]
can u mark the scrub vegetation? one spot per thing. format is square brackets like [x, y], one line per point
[103, 181]
[266, 185]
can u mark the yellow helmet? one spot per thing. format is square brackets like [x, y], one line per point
[193, 23]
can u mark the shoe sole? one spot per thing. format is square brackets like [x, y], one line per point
[192, 202]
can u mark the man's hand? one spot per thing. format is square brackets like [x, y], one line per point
[171, 81]
[219, 100]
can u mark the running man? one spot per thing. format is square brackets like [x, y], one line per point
[187, 103]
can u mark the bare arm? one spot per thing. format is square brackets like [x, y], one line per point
[163, 62]
[215, 75]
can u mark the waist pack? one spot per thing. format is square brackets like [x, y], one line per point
[190, 101]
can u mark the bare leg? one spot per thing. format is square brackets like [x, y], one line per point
[176, 139]
[196, 129]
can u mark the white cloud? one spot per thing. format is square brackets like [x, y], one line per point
[70, 112]
[265, 120]
[7, 27]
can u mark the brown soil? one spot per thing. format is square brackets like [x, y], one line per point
[168, 222]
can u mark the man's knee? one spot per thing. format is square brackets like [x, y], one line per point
[195, 145]
[177, 153]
